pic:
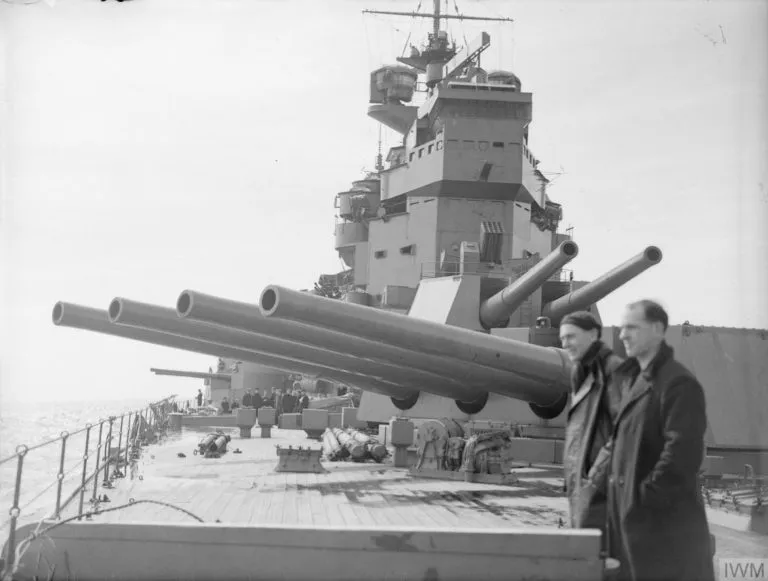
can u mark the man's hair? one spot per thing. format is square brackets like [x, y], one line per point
[584, 320]
[653, 312]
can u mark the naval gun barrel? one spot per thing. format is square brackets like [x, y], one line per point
[127, 312]
[499, 307]
[478, 380]
[601, 287]
[538, 375]
[97, 320]
[191, 374]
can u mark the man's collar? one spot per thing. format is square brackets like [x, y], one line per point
[646, 362]
[664, 354]
[631, 366]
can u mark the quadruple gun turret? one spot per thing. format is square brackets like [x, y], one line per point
[391, 354]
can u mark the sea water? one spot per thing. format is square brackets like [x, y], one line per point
[34, 423]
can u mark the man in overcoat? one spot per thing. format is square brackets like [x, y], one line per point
[594, 404]
[258, 399]
[658, 525]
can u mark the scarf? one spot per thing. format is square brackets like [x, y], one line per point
[591, 362]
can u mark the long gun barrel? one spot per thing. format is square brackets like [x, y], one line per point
[127, 312]
[499, 307]
[246, 317]
[96, 320]
[190, 374]
[603, 286]
[546, 368]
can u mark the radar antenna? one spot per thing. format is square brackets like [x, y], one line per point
[439, 51]
[436, 16]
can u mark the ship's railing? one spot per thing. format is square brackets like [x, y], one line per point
[505, 269]
[117, 446]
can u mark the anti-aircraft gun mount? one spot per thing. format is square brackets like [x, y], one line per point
[410, 359]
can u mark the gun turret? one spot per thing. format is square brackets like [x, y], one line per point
[496, 310]
[476, 380]
[538, 375]
[601, 287]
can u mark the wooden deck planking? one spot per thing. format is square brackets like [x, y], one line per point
[303, 505]
[203, 501]
[418, 508]
[291, 514]
[319, 516]
[276, 504]
[232, 512]
[356, 500]
[242, 488]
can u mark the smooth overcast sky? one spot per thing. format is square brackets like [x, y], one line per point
[157, 145]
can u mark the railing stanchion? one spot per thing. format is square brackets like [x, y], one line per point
[60, 475]
[107, 456]
[137, 426]
[98, 456]
[142, 429]
[119, 444]
[21, 451]
[127, 442]
[85, 469]
[136, 432]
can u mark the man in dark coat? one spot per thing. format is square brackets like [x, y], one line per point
[289, 403]
[304, 402]
[594, 404]
[279, 401]
[658, 525]
[258, 400]
[248, 399]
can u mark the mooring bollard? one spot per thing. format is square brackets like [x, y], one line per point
[402, 438]
[246, 419]
[267, 419]
[174, 421]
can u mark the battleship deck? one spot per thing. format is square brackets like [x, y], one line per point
[243, 489]
[352, 522]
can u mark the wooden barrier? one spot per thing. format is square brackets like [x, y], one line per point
[92, 551]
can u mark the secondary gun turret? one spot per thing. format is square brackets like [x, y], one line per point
[600, 288]
[495, 311]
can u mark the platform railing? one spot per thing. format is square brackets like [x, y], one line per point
[130, 431]
[505, 269]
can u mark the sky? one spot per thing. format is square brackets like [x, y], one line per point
[154, 146]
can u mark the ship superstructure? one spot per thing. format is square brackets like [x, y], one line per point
[460, 195]
[463, 187]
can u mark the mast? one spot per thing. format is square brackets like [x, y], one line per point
[379, 157]
[439, 51]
